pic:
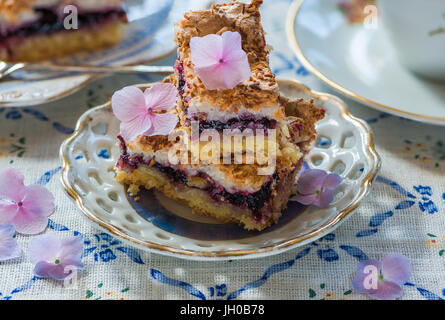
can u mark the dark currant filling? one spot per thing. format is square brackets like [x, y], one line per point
[238, 123]
[173, 174]
[127, 162]
[252, 201]
[179, 68]
[51, 22]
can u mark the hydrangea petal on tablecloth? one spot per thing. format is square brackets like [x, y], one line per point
[25, 207]
[56, 258]
[9, 248]
[382, 280]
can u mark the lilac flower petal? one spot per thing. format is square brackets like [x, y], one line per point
[304, 199]
[387, 291]
[163, 124]
[232, 45]
[324, 199]
[62, 271]
[206, 51]
[44, 248]
[74, 264]
[213, 77]
[42, 269]
[132, 129]
[396, 268]
[56, 258]
[128, 104]
[31, 205]
[72, 249]
[29, 222]
[332, 181]
[161, 96]
[310, 181]
[12, 186]
[7, 230]
[38, 200]
[32, 215]
[59, 272]
[363, 279]
[236, 67]
[220, 61]
[236, 71]
[8, 211]
[9, 248]
[45, 269]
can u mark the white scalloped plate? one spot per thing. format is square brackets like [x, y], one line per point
[151, 25]
[160, 225]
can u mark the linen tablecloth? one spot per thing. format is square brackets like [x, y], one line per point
[405, 212]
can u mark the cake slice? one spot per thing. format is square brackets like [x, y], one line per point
[251, 104]
[229, 192]
[33, 30]
[246, 189]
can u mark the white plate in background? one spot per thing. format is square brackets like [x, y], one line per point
[360, 62]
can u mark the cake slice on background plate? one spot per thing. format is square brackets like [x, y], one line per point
[223, 88]
[34, 30]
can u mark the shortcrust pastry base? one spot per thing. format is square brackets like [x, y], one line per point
[201, 202]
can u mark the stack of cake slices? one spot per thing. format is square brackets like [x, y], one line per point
[234, 188]
[33, 30]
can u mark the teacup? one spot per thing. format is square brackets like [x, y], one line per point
[417, 30]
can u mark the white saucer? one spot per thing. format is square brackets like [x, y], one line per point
[360, 62]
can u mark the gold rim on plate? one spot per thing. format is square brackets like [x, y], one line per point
[327, 227]
[292, 37]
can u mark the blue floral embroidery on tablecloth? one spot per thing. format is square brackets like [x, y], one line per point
[324, 251]
[426, 204]
[220, 291]
[103, 248]
[289, 65]
[424, 201]
[18, 114]
[21, 288]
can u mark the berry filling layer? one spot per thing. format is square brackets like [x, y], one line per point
[241, 123]
[50, 22]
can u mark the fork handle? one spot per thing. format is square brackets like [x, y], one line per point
[104, 69]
